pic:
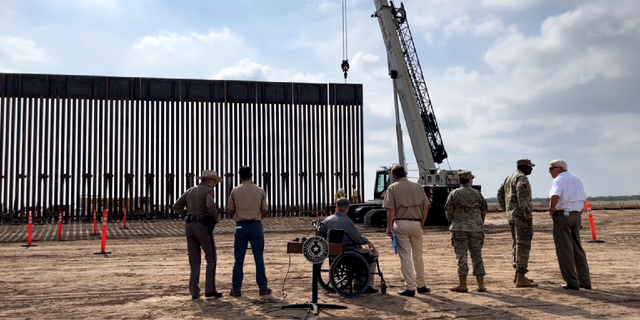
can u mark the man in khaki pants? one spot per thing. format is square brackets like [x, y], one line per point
[407, 208]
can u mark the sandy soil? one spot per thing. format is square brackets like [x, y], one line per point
[146, 278]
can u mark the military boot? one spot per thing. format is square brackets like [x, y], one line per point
[515, 278]
[523, 282]
[481, 287]
[462, 287]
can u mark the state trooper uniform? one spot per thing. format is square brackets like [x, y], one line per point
[201, 217]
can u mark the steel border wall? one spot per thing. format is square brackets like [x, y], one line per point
[71, 142]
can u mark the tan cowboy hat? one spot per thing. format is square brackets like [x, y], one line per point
[210, 174]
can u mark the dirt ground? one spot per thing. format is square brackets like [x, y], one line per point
[146, 278]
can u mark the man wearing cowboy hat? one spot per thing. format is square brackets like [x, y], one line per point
[201, 216]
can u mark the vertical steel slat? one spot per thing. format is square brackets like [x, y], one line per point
[198, 133]
[295, 166]
[303, 174]
[85, 152]
[100, 145]
[108, 165]
[253, 136]
[347, 169]
[268, 158]
[12, 118]
[286, 156]
[72, 151]
[361, 193]
[261, 140]
[63, 173]
[308, 175]
[135, 166]
[146, 150]
[162, 155]
[70, 158]
[20, 152]
[126, 149]
[322, 127]
[4, 143]
[55, 173]
[314, 156]
[329, 174]
[182, 150]
[281, 157]
[352, 155]
[47, 158]
[119, 172]
[234, 148]
[36, 157]
[28, 160]
[219, 152]
[190, 141]
[173, 153]
[158, 157]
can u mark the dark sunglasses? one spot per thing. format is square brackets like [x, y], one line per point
[551, 168]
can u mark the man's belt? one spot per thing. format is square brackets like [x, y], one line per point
[408, 219]
[252, 220]
[190, 218]
[562, 211]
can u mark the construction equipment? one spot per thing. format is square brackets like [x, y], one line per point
[410, 89]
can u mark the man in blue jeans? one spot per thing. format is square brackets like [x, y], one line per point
[248, 205]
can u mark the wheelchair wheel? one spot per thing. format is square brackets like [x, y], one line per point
[323, 279]
[349, 275]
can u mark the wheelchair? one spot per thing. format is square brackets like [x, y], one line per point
[348, 274]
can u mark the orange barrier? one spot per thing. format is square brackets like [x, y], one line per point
[124, 219]
[587, 205]
[95, 232]
[29, 232]
[103, 245]
[59, 225]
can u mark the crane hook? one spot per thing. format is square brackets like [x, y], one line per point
[345, 68]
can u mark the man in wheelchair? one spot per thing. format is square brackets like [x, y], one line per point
[353, 239]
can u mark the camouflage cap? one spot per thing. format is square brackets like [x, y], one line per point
[525, 162]
[465, 174]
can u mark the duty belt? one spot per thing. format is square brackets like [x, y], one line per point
[190, 218]
[408, 219]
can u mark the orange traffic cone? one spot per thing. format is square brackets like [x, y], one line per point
[587, 205]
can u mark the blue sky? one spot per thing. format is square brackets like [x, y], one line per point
[509, 79]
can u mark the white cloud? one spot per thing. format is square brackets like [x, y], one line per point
[245, 69]
[181, 54]
[328, 7]
[21, 49]
[459, 25]
[490, 26]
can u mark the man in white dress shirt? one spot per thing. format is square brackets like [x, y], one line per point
[567, 201]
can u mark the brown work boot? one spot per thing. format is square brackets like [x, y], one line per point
[265, 291]
[462, 287]
[523, 282]
[481, 287]
[515, 278]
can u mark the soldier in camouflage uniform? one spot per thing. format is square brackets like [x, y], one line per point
[514, 197]
[466, 209]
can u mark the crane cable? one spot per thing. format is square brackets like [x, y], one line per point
[345, 54]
